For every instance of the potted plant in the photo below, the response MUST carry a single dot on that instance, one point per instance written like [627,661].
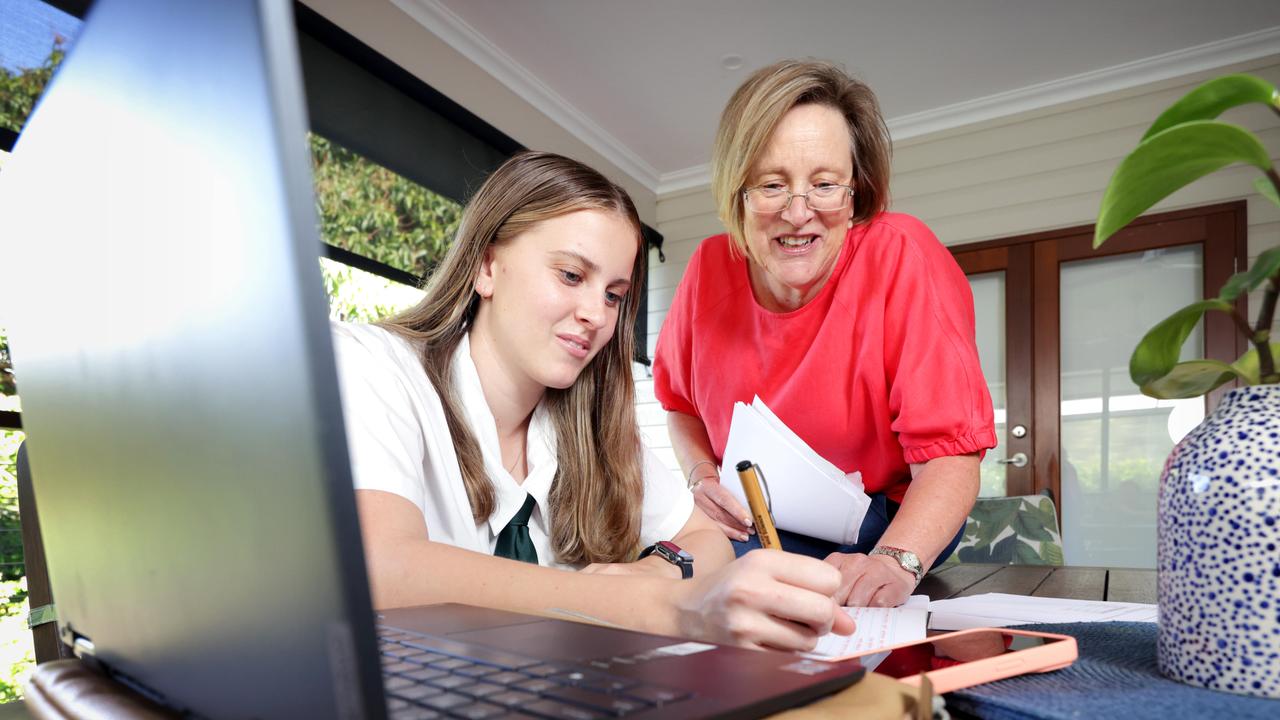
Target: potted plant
[1218,551]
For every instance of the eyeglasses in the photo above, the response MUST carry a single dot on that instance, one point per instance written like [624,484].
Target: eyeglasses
[774,197]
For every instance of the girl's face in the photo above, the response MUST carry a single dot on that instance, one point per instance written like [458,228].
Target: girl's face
[552,294]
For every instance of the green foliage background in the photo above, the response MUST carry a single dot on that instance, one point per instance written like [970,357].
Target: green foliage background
[371,211]
[20,90]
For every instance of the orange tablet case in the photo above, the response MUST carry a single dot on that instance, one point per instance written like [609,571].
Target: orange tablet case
[1043,658]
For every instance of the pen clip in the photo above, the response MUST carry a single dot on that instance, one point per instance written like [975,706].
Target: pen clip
[764,485]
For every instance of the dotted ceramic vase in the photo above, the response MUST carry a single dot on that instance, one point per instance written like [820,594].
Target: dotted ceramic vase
[1219,549]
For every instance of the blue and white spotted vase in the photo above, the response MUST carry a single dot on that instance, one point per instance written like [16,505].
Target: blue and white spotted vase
[1219,549]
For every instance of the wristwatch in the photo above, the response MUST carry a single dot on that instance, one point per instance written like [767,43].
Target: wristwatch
[672,553]
[907,559]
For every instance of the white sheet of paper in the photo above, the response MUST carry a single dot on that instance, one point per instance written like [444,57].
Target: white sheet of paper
[807,494]
[1003,610]
[876,628]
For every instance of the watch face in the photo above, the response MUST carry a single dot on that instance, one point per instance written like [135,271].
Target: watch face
[673,552]
[909,558]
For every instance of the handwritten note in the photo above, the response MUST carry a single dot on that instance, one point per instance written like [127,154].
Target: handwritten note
[877,628]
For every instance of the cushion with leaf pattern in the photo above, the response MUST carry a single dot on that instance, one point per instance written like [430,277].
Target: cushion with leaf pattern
[1018,530]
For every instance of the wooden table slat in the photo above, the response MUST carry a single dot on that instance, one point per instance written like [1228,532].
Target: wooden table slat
[1075,583]
[1137,586]
[951,581]
[1012,579]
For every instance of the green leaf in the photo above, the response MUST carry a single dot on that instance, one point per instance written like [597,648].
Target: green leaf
[1001,552]
[1051,554]
[1159,349]
[1248,366]
[1044,510]
[1028,526]
[1189,379]
[1267,264]
[1215,97]
[1268,189]
[1024,554]
[1169,160]
[993,516]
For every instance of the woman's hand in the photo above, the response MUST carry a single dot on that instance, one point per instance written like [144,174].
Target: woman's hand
[693,449]
[871,581]
[765,599]
[721,506]
[652,566]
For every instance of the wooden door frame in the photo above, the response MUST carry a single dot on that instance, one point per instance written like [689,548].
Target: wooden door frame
[1032,265]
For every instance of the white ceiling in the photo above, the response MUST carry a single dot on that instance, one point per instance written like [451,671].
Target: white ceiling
[642,81]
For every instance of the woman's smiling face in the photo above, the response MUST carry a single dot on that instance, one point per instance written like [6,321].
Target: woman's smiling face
[792,252]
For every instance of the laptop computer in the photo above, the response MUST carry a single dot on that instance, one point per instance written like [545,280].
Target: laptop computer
[169,333]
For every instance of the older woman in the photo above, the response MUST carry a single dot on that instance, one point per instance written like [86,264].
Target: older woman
[853,324]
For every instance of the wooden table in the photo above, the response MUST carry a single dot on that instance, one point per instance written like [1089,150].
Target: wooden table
[1076,583]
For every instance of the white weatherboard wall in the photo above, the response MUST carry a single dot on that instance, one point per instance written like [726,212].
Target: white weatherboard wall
[1038,170]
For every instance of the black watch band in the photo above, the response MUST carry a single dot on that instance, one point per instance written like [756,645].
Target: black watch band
[673,554]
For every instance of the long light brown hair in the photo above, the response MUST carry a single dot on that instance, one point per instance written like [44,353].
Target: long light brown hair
[757,107]
[598,490]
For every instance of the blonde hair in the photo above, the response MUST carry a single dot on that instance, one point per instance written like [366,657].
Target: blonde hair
[597,493]
[757,107]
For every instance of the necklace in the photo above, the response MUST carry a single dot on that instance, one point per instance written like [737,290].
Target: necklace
[520,456]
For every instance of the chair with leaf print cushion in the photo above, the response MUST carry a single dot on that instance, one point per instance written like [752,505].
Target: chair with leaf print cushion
[1018,530]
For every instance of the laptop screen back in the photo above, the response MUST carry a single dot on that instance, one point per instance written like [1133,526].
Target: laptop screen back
[170,341]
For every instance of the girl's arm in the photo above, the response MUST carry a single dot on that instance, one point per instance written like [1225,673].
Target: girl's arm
[700,537]
[767,599]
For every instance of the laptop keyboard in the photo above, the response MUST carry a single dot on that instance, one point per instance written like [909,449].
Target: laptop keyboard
[431,677]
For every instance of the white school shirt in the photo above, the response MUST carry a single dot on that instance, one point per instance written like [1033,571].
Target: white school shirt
[399,442]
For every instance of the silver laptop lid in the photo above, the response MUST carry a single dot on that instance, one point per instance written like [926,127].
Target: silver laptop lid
[169,336]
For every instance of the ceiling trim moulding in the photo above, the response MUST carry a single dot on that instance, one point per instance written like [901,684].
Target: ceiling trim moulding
[445,24]
[442,22]
[1221,53]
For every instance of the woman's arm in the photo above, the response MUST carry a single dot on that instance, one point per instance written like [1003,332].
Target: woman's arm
[767,599]
[692,446]
[938,500]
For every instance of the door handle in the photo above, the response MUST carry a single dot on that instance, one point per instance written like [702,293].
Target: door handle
[1018,460]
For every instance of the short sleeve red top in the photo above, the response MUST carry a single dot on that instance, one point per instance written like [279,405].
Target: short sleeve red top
[878,371]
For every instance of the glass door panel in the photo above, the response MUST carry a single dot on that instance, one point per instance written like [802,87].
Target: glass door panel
[989,313]
[1114,439]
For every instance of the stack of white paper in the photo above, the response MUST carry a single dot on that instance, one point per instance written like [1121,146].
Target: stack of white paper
[806,493]
[1001,610]
[876,628]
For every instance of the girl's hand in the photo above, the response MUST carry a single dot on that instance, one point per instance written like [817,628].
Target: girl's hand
[764,599]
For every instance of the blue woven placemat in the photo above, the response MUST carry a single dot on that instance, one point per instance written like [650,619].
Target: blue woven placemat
[1114,677]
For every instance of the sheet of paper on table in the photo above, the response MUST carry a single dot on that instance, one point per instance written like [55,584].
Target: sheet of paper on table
[806,493]
[1002,610]
[876,628]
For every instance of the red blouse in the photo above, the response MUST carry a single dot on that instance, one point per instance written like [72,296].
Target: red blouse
[878,371]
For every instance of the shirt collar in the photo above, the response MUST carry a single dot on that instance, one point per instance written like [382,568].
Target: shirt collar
[540,448]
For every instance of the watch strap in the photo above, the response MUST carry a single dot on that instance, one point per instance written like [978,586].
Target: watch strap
[673,554]
[906,559]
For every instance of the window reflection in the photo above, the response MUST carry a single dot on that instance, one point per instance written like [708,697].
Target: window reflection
[1114,439]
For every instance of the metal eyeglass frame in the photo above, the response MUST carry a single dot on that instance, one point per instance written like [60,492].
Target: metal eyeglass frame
[791,196]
